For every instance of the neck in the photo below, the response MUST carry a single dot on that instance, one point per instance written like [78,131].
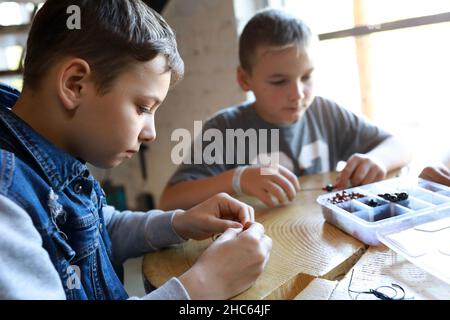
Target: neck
[41,113]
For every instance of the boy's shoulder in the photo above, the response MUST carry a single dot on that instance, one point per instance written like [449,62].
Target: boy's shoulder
[329,111]
[8,95]
[323,104]
[231,116]
[16,177]
[234,111]
[7,165]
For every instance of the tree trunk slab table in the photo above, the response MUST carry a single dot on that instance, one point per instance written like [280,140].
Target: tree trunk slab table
[310,259]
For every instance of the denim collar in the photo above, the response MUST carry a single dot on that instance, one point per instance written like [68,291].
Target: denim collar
[59,168]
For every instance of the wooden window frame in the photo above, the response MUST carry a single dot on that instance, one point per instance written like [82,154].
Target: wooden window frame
[360,31]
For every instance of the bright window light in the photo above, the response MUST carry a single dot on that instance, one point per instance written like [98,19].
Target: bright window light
[408,67]
[10,14]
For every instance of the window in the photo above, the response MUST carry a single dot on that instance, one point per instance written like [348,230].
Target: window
[14,13]
[388,60]
[15,20]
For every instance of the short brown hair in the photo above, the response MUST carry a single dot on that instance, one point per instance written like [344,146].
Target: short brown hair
[270,27]
[114,35]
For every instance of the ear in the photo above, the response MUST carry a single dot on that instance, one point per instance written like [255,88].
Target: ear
[72,80]
[243,79]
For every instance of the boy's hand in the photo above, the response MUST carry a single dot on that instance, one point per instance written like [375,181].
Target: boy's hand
[360,169]
[212,216]
[281,184]
[438,173]
[230,265]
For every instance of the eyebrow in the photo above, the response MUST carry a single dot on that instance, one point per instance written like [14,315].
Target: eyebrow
[281,75]
[154,98]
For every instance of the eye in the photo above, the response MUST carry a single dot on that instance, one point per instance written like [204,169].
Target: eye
[145,109]
[278,82]
[306,78]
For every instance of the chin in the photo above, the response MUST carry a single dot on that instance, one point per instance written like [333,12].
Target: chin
[294,117]
[106,164]
[113,164]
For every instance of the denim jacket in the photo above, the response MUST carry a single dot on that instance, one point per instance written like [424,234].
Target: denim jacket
[65,204]
[54,223]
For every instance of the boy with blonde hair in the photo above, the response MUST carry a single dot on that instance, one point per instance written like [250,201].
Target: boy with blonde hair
[277,65]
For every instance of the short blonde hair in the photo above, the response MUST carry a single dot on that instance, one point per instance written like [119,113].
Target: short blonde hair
[271,28]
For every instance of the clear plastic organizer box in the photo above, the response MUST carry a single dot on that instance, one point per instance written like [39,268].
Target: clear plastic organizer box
[426,242]
[370,214]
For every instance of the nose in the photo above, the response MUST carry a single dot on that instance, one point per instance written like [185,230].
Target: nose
[148,132]
[297,91]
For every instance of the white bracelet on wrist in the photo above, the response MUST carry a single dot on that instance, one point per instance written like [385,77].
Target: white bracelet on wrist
[236,183]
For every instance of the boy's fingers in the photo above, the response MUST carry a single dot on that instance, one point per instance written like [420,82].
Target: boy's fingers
[444,170]
[426,176]
[361,170]
[266,260]
[256,229]
[378,176]
[371,176]
[445,180]
[344,176]
[252,214]
[220,225]
[291,177]
[266,242]
[436,176]
[232,208]
[265,198]
[229,234]
[286,185]
[245,214]
[275,190]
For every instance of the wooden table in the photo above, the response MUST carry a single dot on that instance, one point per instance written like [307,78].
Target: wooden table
[310,258]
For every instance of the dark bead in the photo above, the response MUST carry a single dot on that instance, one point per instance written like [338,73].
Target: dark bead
[393,198]
[372,203]
[403,196]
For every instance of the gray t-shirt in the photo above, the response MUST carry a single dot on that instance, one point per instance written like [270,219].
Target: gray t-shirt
[323,136]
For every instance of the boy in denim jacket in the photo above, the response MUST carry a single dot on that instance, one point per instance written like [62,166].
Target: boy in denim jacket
[90,95]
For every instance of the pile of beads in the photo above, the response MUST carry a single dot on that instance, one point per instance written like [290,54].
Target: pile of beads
[396,197]
[344,196]
[372,203]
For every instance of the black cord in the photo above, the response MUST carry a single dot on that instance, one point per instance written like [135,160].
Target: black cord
[377,293]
